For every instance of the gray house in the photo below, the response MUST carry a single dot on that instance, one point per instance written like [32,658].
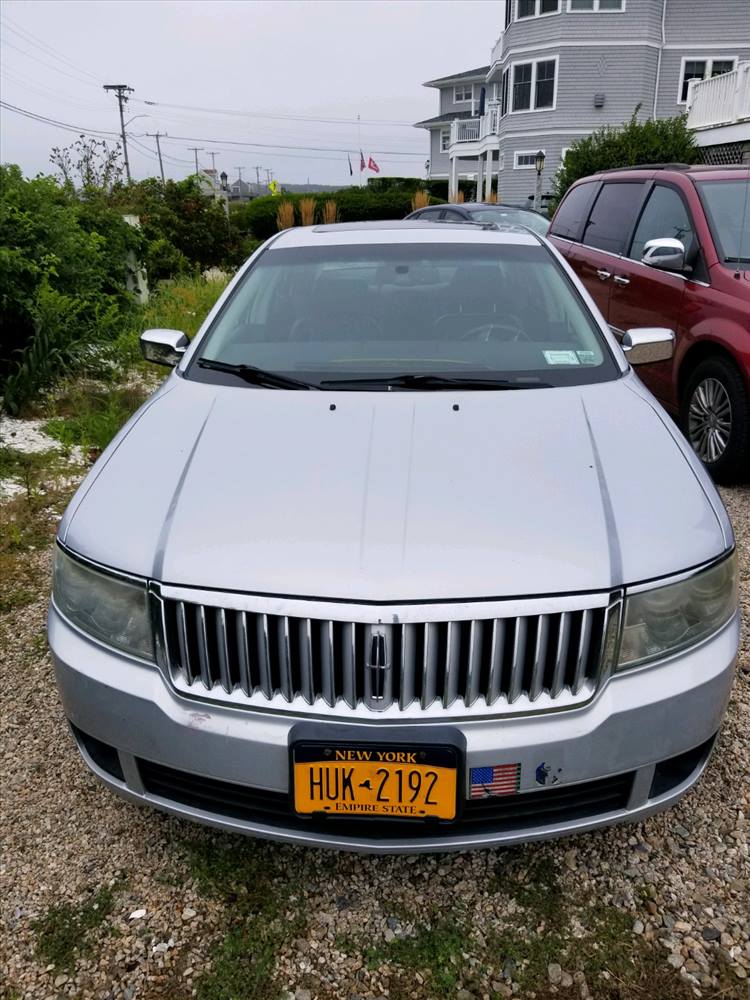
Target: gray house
[563,68]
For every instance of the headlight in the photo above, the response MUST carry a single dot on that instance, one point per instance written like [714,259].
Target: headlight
[664,620]
[109,608]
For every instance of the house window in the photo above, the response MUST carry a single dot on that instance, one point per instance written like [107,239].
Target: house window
[504,93]
[525,159]
[702,69]
[462,93]
[536,8]
[534,85]
[445,139]
[587,6]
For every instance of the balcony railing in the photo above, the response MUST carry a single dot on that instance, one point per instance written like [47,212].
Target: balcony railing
[721,100]
[473,129]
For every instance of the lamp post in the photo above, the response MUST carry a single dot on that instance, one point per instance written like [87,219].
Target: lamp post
[539,165]
[223,177]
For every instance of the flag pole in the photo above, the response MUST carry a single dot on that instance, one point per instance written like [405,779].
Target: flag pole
[359,145]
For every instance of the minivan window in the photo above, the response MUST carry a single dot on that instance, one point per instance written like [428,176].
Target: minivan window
[665,215]
[612,216]
[452,309]
[574,209]
[727,205]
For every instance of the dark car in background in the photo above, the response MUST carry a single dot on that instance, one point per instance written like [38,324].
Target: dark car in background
[487,212]
[670,246]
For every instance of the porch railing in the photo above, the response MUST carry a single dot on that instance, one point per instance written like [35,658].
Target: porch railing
[721,100]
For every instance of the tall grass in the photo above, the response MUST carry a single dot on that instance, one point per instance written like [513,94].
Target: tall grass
[421,199]
[307,211]
[492,198]
[285,215]
[330,212]
[458,198]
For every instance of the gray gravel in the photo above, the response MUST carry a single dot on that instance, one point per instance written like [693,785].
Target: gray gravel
[678,884]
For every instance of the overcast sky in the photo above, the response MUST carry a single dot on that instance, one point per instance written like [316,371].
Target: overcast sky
[314,60]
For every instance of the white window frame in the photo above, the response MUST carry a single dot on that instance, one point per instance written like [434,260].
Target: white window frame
[709,61]
[563,153]
[537,10]
[596,9]
[501,160]
[443,132]
[534,63]
[463,87]
[525,152]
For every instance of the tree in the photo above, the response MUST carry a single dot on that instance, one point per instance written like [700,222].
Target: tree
[667,140]
[91,165]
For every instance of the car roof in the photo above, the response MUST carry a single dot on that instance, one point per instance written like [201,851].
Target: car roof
[400,231]
[693,172]
[471,205]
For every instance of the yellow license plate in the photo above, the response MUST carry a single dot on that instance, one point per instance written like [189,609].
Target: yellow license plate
[401,782]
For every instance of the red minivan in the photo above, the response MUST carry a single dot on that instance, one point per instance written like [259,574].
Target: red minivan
[670,246]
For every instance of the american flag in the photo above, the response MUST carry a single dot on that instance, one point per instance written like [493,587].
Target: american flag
[502,779]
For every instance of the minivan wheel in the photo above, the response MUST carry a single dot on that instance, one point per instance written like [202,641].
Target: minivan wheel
[715,418]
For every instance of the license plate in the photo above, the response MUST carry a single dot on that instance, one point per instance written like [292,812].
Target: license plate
[401,782]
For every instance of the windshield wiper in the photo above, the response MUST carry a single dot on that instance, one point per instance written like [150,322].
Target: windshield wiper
[256,376]
[420,381]
[737,260]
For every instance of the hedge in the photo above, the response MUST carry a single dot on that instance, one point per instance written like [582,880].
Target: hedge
[257,218]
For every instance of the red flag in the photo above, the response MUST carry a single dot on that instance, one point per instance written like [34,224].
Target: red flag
[372,165]
[362,164]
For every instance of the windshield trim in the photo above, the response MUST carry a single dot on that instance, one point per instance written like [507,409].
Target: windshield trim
[603,334]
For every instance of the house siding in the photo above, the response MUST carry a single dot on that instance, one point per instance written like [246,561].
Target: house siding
[617,54]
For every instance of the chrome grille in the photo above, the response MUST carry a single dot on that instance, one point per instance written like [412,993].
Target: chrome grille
[511,661]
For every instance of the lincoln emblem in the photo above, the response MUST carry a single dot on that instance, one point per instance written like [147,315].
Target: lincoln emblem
[378,666]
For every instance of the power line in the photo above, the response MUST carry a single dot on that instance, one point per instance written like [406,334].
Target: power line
[279,116]
[272,145]
[31,39]
[56,69]
[53,121]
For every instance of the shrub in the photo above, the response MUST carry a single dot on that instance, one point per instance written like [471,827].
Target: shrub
[330,212]
[285,215]
[307,211]
[667,140]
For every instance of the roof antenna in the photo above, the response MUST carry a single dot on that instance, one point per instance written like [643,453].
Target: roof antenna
[743,230]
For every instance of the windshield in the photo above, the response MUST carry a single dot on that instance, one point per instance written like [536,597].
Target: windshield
[727,205]
[341,312]
[512,217]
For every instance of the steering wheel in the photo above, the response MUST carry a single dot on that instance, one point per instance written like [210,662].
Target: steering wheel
[507,328]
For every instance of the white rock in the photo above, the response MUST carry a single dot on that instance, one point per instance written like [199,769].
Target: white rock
[137,914]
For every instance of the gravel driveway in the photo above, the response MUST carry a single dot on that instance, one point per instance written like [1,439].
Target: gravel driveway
[104,899]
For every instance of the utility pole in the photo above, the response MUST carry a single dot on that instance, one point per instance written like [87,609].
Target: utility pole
[239,172]
[157,136]
[258,169]
[196,150]
[269,176]
[213,160]
[122,90]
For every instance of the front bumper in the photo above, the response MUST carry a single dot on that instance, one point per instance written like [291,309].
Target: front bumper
[647,734]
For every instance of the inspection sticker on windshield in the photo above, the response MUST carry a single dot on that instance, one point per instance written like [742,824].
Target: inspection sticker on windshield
[561,357]
[586,357]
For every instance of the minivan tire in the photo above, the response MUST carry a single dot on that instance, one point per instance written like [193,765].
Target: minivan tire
[717,375]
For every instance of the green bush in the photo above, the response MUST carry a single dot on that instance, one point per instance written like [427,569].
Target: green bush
[667,140]
[63,274]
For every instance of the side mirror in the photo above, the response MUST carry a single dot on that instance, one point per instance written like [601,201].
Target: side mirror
[164,347]
[645,344]
[665,254]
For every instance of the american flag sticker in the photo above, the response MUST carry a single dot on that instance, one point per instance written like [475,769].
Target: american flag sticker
[502,779]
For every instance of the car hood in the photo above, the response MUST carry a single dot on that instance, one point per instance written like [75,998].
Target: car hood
[395,496]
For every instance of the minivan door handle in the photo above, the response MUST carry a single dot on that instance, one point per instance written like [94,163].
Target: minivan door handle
[619,280]
[603,275]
